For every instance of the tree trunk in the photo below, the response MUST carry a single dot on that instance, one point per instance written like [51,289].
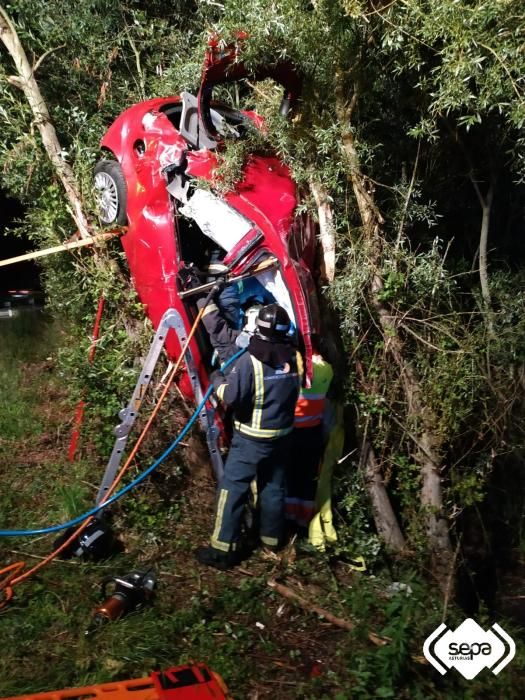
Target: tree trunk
[428,444]
[384,517]
[25,80]
[326,229]
[486,207]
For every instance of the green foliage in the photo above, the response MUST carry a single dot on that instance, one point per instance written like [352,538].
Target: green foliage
[17,337]
[464,69]
[355,535]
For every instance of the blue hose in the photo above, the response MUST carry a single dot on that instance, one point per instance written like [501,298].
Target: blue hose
[135,482]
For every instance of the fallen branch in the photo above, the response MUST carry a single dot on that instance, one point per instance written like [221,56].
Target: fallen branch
[290,594]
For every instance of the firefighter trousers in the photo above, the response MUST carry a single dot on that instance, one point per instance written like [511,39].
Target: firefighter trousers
[303,473]
[248,459]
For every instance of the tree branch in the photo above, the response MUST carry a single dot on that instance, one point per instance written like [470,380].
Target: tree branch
[290,594]
[136,53]
[407,198]
[45,55]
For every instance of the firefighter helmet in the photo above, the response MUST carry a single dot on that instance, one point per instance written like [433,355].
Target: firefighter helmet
[273,323]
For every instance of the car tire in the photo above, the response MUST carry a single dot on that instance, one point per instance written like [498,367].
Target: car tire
[111,193]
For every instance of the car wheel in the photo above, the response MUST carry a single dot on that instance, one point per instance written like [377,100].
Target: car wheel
[111,192]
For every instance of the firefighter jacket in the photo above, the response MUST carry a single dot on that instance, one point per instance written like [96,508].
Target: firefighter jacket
[222,336]
[262,397]
[311,403]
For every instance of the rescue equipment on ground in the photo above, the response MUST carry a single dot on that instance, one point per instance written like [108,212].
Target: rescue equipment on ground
[194,681]
[131,485]
[95,542]
[122,595]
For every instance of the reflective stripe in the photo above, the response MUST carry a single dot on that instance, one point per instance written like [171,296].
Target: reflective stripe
[253,429]
[300,363]
[209,308]
[215,542]
[255,492]
[222,546]
[299,511]
[258,373]
[268,324]
[305,407]
[220,391]
[272,541]
[217,268]
[261,432]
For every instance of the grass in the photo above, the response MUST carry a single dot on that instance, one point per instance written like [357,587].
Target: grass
[263,645]
[16,421]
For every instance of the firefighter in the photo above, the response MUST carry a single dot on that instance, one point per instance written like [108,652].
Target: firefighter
[221,319]
[308,443]
[261,388]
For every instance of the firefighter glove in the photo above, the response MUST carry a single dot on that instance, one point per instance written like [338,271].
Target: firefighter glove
[217,288]
[217,378]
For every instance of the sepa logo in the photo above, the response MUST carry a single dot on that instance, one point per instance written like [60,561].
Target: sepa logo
[469,649]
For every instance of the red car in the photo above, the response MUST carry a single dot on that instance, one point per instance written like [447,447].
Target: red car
[158,154]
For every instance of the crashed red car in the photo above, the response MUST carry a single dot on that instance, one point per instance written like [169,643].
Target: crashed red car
[158,153]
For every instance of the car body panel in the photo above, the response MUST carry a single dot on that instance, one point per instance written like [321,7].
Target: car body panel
[150,241]
[224,64]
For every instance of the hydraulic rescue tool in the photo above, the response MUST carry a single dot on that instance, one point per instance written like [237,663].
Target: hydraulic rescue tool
[123,594]
[95,542]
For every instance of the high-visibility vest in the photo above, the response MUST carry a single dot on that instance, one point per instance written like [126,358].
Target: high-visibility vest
[310,404]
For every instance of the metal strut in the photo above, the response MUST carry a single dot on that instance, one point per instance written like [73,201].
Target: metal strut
[171,320]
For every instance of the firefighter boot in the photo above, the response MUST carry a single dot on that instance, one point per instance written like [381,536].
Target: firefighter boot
[209,556]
